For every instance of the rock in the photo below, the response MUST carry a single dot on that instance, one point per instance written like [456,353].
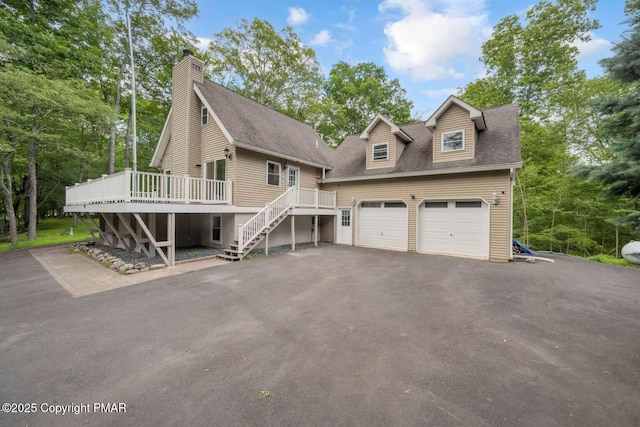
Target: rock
[132,271]
[128,266]
[140,265]
[122,270]
[531,260]
[157,266]
[144,269]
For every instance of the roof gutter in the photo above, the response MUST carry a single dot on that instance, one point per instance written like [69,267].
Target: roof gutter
[251,147]
[506,166]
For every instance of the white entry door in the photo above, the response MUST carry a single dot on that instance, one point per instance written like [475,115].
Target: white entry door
[454,227]
[343,233]
[293,177]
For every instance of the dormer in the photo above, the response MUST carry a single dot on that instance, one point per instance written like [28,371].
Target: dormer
[385,142]
[455,126]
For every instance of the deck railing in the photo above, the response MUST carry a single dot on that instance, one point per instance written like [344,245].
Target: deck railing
[294,197]
[146,187]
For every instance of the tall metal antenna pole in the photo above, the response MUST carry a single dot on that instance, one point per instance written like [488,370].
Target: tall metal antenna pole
[133,97]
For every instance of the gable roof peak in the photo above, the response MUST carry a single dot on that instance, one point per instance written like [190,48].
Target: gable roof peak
[474,114]
[394,128]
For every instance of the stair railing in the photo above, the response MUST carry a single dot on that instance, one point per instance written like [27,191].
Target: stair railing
[265,217]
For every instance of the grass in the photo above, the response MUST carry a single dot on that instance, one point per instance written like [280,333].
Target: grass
[51,231]
[610,259]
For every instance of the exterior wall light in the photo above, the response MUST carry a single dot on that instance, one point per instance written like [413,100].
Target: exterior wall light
[286,165]
[494,198]
[227,154]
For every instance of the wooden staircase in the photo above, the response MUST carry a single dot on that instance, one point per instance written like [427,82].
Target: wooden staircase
[232,253]
[257,228]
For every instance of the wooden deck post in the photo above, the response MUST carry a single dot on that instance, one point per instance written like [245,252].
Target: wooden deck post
[315,232]
[293,233]
[152,229]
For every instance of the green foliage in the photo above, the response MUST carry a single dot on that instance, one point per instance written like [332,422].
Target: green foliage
[271,67]
[621,122]
[52,231]
[355,94]
[532,61]
[608,259]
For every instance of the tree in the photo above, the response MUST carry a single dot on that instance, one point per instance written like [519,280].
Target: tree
[533,62]
[42,45]
[158,34]
[621,121]
[355,94]
[271,67]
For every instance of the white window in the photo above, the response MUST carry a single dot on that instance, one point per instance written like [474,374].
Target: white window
[345,217]
[380,151]
[273,173]
[216,170]
[204,116]
[453,141]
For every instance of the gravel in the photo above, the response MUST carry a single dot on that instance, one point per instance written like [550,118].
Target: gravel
[194,252]
[182,254]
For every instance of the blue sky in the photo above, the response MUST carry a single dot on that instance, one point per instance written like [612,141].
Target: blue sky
[412,39]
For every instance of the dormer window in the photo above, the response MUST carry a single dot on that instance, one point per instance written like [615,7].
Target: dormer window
[453,141]
[204,116]
[380,151]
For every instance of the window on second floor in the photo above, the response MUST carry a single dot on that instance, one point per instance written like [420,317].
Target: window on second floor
[453,141]
[380,151]
[273,173]
[204,116]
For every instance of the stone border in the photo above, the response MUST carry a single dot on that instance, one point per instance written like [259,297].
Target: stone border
[112,261]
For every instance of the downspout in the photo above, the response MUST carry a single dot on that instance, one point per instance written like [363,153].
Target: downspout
[512,176]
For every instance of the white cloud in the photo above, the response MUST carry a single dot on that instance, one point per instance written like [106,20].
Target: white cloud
[440,93]
[597,46]
[297,16]
[435,39]
[203,43]
[323,38]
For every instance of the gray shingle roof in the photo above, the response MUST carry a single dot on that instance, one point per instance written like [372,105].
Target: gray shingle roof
[259,126]
[499,144]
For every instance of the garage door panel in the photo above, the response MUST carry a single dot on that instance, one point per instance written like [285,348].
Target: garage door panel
[454,227]
[383,227]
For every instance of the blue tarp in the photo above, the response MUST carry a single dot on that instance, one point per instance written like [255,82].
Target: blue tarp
[519,248]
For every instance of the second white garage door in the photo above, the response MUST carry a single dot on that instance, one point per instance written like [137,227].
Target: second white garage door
[383,225]
[454,227]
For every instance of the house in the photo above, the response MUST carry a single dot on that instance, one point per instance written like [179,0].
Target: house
[238,175]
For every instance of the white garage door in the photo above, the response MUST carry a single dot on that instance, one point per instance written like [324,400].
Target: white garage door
[383,225]
[454,227]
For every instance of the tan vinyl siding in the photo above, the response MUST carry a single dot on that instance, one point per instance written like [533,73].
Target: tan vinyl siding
[185,137]
[250,186]
[195,154]
[213,143]
[165,163]
[459,186]
[381,133]
[454,119]
[327,230]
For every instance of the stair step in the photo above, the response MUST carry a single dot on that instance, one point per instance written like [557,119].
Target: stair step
[232,251]
[228,257]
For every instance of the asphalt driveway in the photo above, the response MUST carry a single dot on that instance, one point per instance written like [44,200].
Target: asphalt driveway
[329,336]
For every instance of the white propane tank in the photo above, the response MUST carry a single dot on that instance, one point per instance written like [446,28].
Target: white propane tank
[631,252]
